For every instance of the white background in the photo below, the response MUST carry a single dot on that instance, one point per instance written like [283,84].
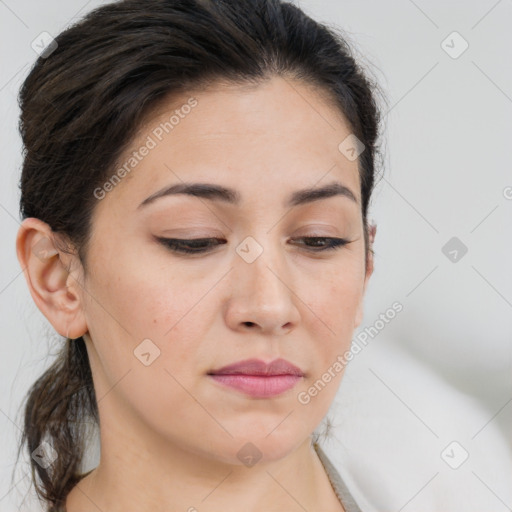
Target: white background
[441,370]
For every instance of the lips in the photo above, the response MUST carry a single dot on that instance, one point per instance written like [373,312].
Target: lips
[258,367]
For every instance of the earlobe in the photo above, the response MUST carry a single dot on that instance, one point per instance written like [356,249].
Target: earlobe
[51,282]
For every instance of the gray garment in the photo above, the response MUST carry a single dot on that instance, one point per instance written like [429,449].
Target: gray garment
[337,483]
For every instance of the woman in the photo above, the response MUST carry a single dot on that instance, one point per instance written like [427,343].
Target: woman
[195,193]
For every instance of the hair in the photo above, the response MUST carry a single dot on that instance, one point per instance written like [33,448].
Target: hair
[82,104]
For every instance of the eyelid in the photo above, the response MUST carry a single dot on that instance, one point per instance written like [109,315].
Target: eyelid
[178,245]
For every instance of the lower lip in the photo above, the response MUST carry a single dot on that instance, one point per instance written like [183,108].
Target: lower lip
[259,386]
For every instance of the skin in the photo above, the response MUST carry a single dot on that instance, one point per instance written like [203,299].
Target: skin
[169,434]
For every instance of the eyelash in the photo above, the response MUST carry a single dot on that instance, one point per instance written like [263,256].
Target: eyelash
[179,245]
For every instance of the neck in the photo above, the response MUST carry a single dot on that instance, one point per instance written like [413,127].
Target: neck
[133,475]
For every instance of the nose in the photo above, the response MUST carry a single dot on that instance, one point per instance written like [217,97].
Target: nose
[261,295]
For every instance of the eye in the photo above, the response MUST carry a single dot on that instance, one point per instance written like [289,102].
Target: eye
[204,245]
[330,243]
[194,246]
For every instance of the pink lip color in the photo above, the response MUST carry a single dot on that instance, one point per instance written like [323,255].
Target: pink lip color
[259,386]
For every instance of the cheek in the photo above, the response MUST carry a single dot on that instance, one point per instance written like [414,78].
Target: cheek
[142,297]
[128,303]
[147,341]
[333,311]
[334,297]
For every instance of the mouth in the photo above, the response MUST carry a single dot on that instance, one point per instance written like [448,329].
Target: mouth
[258,379]
[258,386]
[258,367]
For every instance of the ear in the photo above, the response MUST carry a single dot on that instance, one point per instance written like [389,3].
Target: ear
[369,272]
[52,284]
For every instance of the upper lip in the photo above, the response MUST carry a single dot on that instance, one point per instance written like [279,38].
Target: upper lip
[259,367]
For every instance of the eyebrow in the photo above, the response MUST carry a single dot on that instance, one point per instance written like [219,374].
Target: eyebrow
[219,193]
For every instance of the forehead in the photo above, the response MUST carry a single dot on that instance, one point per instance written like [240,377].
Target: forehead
[272,138]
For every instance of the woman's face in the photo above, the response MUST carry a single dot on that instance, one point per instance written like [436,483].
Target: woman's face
[159,321]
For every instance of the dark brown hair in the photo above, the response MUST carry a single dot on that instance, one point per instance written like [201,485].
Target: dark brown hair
[82,104]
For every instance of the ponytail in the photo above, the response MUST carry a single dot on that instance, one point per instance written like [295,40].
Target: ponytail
[57,407]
